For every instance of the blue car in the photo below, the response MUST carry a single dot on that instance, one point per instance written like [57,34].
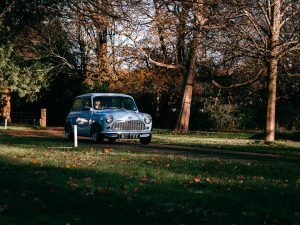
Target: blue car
[108,115]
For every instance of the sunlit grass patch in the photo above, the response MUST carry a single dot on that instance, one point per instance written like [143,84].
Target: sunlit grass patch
[230,142]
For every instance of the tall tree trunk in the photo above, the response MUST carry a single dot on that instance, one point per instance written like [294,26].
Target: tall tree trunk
[184,116]
[273,71]
[271,104]
[182,125]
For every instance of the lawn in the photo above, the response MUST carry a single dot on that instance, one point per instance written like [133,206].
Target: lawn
[43,181]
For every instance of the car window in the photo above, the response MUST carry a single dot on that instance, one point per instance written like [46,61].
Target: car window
[116,102]
[128,104]
[76,104]
[87,104]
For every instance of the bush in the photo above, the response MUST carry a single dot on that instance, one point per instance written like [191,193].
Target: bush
[230,117]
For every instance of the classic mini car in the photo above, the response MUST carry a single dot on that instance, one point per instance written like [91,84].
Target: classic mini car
[108,115]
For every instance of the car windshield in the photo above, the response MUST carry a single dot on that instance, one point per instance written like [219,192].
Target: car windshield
[113,102]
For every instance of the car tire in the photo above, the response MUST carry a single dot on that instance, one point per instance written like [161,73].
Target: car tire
[96,134]
[69,132]
[146,140]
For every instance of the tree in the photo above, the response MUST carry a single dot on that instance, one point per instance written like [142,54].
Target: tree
[93,36]
[267,30]
[200,20]
[26,65]
[174,42]
[24,80]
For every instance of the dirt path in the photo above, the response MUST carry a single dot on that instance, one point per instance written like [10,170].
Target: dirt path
[51,132]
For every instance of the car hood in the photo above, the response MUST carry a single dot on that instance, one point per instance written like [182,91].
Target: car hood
[123,114]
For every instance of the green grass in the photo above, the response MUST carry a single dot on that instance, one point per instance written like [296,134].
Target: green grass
[41,182]
[234,141]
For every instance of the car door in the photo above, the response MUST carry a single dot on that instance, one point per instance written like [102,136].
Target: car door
[84,119]
[75,111]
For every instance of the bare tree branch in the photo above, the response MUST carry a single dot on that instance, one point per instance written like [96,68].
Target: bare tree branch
[295,75]
[168,66]
[216,84]
[256,27]
[265,13]
[7,9]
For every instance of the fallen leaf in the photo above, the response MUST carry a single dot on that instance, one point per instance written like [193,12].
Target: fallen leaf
[91,163]
[70,166]
[107,150]
[240,178]
[197,180]
[208,180]
[34,161]
[154,158]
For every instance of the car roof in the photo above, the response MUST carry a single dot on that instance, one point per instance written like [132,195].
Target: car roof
[104,94]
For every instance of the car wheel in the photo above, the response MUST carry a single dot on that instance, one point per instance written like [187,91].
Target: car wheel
[96,134]
[69,132]
[145,140]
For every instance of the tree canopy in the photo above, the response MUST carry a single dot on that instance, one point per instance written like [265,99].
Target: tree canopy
[202,64]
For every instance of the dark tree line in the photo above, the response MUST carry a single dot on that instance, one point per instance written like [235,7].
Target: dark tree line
[201,64]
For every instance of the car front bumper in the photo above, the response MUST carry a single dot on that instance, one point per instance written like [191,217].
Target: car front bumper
[126,134]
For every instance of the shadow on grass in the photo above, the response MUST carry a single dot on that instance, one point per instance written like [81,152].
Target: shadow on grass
[35,194]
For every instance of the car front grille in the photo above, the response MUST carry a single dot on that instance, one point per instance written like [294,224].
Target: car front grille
[128,125]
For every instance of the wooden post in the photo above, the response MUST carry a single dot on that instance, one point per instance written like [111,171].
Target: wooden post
[43,117]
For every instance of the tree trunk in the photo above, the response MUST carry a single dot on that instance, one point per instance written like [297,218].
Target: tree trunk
[271,104]
[184,116]
[6,111]
[273,71]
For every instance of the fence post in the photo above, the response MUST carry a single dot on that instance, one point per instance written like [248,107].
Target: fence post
[43,117]
[75,137]
[5,124]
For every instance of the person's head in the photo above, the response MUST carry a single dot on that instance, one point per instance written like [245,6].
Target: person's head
[97,104]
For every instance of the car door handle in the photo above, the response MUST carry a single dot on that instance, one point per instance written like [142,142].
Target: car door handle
[79,121]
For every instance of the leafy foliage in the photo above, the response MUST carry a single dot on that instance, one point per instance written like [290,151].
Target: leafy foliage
[26,80]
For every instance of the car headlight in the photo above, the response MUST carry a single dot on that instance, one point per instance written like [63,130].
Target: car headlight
[109,118]
[148,119]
